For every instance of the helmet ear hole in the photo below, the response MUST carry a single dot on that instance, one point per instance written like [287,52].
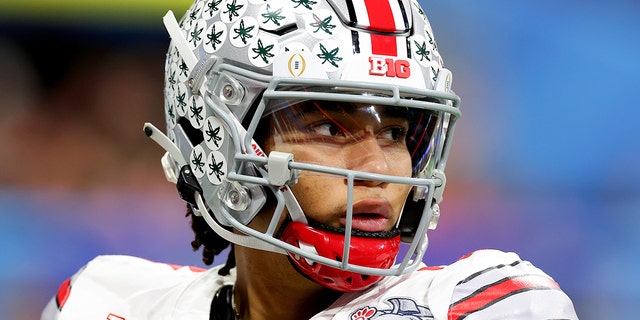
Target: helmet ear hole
[195,135]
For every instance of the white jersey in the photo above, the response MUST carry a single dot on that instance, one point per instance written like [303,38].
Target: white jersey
[486,284]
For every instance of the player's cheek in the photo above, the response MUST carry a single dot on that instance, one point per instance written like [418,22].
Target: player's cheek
[312,189]
[399,161]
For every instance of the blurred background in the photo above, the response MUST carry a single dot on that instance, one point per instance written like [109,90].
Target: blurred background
[545,161]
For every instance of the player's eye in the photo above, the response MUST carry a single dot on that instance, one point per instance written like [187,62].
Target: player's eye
[393,134]
[326,129]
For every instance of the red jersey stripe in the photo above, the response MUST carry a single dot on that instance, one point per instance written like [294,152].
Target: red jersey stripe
[431,268]
[63,293]
[488,295]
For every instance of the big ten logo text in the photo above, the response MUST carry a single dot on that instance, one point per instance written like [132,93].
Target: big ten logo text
[389,67]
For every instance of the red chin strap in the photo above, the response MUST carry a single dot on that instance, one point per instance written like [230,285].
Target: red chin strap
[364,251]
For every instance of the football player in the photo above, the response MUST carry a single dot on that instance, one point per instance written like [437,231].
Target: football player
[311,138]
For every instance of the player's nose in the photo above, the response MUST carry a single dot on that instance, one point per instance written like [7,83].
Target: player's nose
[368,156]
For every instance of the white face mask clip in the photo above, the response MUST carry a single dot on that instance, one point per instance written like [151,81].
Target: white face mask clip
[279,172]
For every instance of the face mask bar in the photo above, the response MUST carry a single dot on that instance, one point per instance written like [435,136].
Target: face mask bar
[415,251]
[251,152]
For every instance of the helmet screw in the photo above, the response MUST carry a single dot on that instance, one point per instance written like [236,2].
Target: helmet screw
[227,91]
[234,197]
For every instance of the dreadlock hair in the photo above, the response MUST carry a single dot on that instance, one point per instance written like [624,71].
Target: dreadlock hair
[212,243]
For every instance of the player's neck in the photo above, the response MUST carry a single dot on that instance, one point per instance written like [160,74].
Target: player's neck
[267,287]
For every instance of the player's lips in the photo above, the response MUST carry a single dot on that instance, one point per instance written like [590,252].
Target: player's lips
[370,215]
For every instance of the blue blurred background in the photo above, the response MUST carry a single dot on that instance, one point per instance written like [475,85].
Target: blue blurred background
[545,159]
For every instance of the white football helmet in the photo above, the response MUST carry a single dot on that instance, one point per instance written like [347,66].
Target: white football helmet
[236,67]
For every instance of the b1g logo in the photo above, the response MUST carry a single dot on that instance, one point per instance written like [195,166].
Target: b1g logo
[389,67]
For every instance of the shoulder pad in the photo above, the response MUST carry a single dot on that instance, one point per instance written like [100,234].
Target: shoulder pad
[490,284]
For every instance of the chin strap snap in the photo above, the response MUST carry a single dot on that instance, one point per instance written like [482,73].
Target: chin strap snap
[188,185]
[437,198]
[437,174]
